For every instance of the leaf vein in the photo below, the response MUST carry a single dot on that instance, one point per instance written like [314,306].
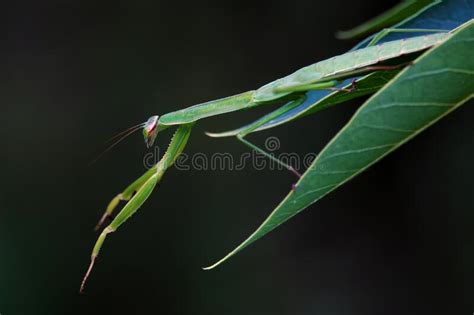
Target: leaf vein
[407,104]
[438,71]
[386,128]
[314,190]
[379,147]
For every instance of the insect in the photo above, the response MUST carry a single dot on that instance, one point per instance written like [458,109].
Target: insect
[291,90]
[323,75]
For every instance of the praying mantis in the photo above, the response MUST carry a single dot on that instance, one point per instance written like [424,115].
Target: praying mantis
[326,74]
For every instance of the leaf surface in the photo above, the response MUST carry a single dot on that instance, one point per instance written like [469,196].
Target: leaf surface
[392,16]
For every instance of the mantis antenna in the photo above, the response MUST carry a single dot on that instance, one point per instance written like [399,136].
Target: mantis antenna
[149,133]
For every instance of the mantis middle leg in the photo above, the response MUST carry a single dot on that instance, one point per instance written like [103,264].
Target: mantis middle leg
[285,108]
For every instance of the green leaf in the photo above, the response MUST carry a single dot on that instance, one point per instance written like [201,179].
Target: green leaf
[396,14]
[437,83]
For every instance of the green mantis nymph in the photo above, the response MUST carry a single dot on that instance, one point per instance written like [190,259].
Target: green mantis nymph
[290,91]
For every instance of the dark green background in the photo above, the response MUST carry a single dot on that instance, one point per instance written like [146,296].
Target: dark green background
[396,240]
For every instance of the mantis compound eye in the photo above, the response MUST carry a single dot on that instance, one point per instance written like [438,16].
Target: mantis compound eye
[150,130]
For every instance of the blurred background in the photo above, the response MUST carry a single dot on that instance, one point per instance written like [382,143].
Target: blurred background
[398,239]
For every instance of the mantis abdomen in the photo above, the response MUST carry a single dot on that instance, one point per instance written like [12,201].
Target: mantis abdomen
[340,66]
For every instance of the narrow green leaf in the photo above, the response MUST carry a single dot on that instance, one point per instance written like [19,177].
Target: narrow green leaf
[437,83]
[396,14]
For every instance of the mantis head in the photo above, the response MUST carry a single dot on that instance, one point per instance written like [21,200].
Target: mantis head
[150,130]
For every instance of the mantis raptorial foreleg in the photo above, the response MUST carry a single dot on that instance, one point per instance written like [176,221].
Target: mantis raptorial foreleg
[125,196]
[142,188]
[130,208]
